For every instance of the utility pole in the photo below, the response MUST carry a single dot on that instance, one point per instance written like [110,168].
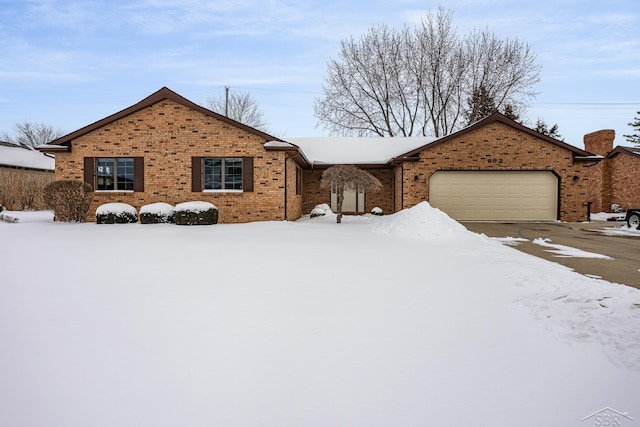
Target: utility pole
[226,101]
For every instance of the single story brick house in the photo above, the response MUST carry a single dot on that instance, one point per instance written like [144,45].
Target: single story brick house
[168,149]
[616,179]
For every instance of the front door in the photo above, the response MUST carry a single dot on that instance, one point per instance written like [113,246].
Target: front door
[353,201]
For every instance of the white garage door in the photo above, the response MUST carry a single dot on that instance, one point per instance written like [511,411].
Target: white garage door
[495,195]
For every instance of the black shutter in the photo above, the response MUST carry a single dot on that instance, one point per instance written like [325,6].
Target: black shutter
[138,174]
[90,171]
[196,174]
[247,174]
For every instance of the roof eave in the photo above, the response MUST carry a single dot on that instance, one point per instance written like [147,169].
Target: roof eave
[54,148]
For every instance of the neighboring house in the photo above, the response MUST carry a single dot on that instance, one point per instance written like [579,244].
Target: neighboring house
[616,179]
[23,174]
[166,148]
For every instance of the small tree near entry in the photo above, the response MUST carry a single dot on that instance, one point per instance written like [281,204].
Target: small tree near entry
[348,177]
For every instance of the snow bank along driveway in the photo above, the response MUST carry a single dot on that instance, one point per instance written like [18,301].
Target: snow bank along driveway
[402,320]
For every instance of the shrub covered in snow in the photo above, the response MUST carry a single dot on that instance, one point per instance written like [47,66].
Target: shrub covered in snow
[156,213]
[377,211]
[320,210]
[195,213]
[116,213]
[69,200]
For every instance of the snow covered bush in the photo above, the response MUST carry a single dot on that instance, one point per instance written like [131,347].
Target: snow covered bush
[195,213]
[320,210]
[156,213]
[116,213]
[377,211]
[69,200]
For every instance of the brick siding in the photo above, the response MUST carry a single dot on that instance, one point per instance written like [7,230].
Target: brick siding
[384,199]
[625,180]
[497,146]
[168,134]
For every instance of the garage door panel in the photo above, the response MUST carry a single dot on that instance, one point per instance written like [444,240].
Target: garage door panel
[495,195]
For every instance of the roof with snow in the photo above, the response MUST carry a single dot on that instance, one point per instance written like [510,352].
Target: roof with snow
[356,150]
[383,151]
[14,156]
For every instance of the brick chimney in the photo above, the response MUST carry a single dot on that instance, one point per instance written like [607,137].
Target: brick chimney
[599,142]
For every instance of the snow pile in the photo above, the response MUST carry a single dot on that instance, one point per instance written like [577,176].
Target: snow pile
[606,216]
[118,209]
[195,207]
[420,221]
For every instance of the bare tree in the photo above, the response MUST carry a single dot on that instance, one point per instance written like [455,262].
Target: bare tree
[239,106]
[348,177]
[420,81]
[29,135]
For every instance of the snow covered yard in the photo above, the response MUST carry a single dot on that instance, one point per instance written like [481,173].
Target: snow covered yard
[401,320]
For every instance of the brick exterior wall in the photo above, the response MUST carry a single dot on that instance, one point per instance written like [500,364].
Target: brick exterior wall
[625,180]
[168,134]
[614,179]
[398,197]
[599,174]
[294,180]
[384,199]
[497,146]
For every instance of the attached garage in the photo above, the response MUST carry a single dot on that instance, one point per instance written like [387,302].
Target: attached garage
[495,195]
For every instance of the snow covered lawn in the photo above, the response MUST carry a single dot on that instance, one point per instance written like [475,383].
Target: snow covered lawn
[400,320]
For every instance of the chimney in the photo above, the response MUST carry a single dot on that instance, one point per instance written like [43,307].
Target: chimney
[599,142]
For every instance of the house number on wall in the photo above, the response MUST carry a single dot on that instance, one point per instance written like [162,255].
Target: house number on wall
[494,160]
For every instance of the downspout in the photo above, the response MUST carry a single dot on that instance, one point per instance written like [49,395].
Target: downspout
[286,156]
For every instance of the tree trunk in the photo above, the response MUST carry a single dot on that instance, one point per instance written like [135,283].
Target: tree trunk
[340,200]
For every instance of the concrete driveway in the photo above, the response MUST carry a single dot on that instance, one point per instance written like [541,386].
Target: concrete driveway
[625,250]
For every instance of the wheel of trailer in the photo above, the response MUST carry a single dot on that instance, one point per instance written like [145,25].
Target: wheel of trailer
[634,221]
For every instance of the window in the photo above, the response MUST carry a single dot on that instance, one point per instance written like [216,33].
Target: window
[223,173]
[115,174]
[233,174]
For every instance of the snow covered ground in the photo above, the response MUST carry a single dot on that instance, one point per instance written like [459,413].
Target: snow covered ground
[400,320]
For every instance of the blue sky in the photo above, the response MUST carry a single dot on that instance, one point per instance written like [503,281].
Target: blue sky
[70,63]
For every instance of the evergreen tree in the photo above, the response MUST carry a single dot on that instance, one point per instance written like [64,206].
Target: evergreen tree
[541,127]
[481,104]
[634,138]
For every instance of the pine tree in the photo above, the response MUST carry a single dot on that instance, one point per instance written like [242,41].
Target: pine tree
[541,127]
[481,104]
[635,137]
